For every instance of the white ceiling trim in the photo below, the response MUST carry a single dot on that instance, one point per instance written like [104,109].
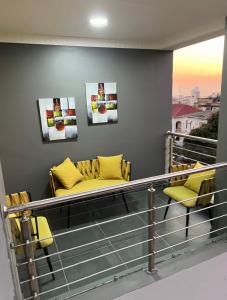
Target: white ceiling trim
[70,41]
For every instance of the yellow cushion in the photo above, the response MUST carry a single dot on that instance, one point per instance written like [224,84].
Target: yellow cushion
[110,167]
[67,173]
[87,185]
[194,181]
[179,193]
[44,230]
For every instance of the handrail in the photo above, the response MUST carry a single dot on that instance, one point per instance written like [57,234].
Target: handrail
[107,190]
[192,137]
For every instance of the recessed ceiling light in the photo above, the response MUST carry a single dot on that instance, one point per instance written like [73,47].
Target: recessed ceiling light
[98,22]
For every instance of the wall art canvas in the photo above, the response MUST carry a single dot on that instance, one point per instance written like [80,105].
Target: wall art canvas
[58,118]
[102,102]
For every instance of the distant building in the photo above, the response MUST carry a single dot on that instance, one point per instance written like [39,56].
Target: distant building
[195,92]
[186,117]
[188,100]
[208,104]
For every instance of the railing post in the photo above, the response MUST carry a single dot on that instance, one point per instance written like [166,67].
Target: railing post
[168,152]
[26,228]
[151,229]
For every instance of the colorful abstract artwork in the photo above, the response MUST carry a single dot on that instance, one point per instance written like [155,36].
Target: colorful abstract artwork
[58,118]
[102,103]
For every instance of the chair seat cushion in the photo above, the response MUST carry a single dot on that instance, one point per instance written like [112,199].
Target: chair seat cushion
[87,185]
[180,193]
[44,231]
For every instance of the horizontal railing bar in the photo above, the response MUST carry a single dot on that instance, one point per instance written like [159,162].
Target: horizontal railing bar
[87,244]
[124,248]
[192,137]
[83,228]
[189,240]
[176,161]
[125,263]
[88,260]
[133,230]
[198,145]
[192,159]
[126,216]
[185,178]
[192,151]
[193,225]
[120,187]
[92,275]
[181,216]
[193,198]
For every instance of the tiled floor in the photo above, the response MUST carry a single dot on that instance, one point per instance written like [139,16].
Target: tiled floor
[106,266]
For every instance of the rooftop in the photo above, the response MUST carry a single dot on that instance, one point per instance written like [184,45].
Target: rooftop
[179,110]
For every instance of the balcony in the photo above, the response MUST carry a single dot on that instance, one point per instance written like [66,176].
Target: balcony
[107,245]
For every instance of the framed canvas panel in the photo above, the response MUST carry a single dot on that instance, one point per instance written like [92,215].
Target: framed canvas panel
[58,118]
[102,103]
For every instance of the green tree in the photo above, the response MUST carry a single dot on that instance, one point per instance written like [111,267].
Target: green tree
[209,130]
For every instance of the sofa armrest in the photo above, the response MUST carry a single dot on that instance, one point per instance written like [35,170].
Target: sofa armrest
[126,170]
[54,183]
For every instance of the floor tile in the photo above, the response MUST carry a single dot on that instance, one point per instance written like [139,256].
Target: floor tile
[91,267]
[75,239]
[121,226]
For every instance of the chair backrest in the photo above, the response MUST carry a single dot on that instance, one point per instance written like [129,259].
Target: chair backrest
[207,185]
[18,199]
[12,200]
[90,170]
[179,180]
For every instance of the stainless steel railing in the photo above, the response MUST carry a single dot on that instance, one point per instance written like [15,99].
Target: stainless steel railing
[104,191]
[188,149]
[31,260]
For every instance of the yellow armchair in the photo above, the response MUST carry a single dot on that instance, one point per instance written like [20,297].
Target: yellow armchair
[40,227]
[183,188]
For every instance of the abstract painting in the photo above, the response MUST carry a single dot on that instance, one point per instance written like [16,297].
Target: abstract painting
[102,103]
[58,118]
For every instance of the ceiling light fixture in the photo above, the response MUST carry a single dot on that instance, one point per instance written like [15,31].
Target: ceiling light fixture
[98,22]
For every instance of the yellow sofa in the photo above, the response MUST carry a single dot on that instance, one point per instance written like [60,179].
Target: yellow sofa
[90,170]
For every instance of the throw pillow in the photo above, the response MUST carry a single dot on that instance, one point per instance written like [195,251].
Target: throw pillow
[194,181]
[110,167]
[67,173]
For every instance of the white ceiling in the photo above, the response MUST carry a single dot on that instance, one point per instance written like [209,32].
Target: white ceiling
[157,24]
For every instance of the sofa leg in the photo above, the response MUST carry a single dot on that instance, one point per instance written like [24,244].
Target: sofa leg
[114,198]
[187,220]
[68,216]
[125,202]
[167,207]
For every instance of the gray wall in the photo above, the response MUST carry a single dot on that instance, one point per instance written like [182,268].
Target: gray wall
[6,276]
[222,144]
[29,72]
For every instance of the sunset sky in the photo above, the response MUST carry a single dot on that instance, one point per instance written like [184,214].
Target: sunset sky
[198,65]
